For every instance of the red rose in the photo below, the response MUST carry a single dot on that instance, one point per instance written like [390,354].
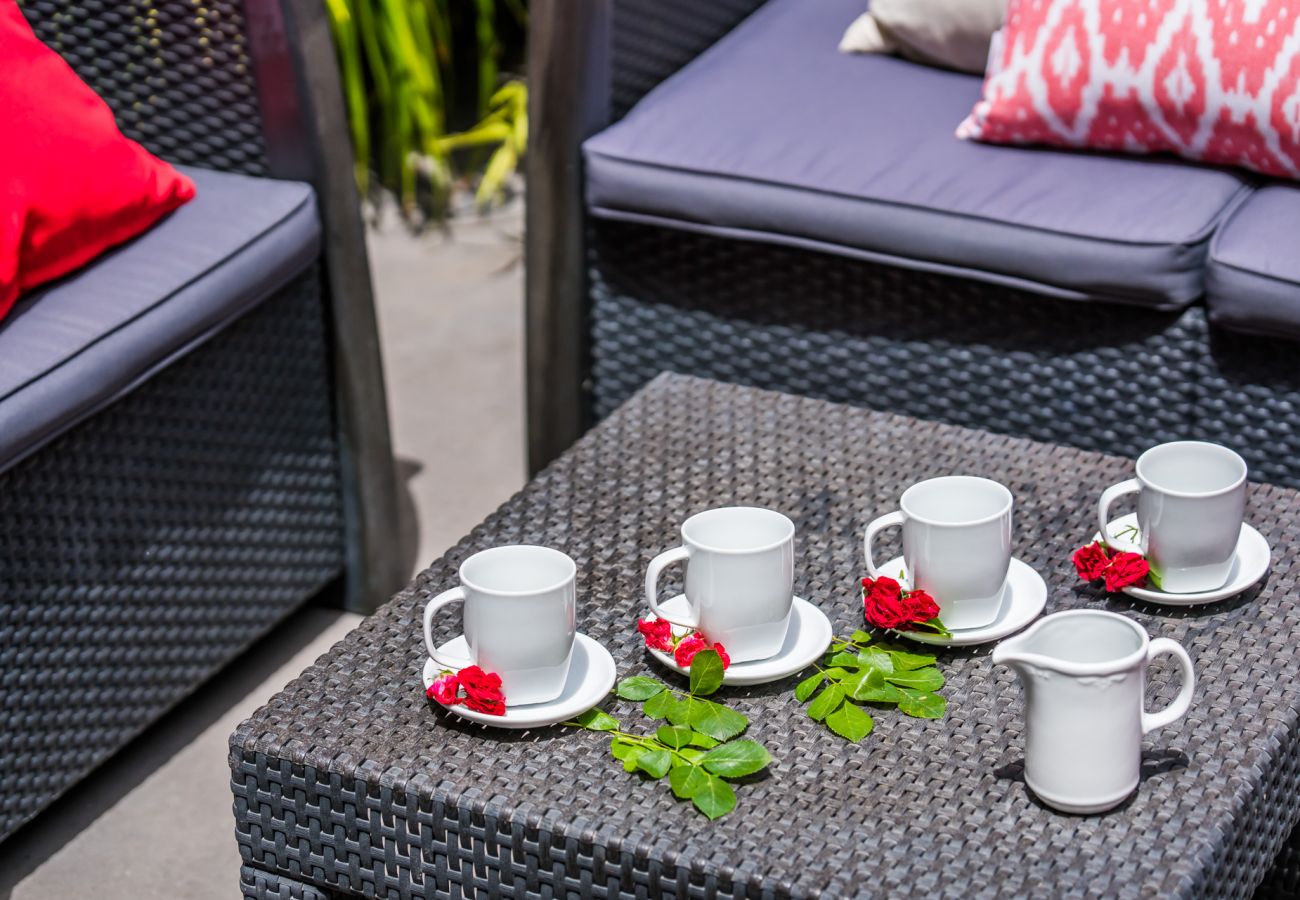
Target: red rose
[445,690]
[483,691]
[1126,569]
[692,645]
[1090,561]
[921,606]
[883,604]
[658,633]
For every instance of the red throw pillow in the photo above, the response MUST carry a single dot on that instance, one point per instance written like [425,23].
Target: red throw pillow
[71,185]
[1211,80]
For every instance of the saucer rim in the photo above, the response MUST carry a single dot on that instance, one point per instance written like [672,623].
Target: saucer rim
[1203,598]
[740,674]
[534,715]
[971,637]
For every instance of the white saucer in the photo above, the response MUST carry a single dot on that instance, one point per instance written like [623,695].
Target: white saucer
[591,677]
[1251,564]
[1026,597]
[805,641]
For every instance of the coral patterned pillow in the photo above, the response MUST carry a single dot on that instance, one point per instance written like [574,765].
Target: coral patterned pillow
[1211,80]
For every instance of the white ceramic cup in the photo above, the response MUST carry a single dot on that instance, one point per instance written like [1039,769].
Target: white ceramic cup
[739,579]
[1084,674]
[520,612]
[1191,500]
[956,545]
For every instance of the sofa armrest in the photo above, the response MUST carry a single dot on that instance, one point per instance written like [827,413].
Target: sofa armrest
[590,61]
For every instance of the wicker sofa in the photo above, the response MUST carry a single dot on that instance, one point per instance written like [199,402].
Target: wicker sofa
[723,194]
[705,192]
[193,433]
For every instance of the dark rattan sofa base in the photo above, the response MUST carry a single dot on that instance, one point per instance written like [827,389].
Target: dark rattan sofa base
[1094,376]
[151,544]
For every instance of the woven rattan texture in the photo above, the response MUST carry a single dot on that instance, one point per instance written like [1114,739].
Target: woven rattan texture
[1249,398]
[152,543]
[350,779]
[176,73]
[940,348]
[652,39]
[258,885]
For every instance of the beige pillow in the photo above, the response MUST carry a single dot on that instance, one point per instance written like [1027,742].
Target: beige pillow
[950,33]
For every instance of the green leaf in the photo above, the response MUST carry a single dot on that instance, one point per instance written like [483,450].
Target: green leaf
[838,673]
[718,721]
[714,797]
[860,637]
[930,679]
[629,761]
[886,693]
[621,748]
[863,683]
[906,662]
[660,705]
[639,687]
[876,659]
[675,736]
[596,720]
[683,711]
[843,658]
[702,740]
[922,705]
[694,754]
[826,702]
[804,689]
[736,759]
[655,762]
[686,781]
[850,722]
[706,673]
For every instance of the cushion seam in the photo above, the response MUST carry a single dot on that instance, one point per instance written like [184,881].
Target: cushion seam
[1203,234]
[955,270]
[274,226]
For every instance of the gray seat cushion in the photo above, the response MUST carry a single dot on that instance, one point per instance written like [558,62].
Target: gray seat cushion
[1253,275]
[69,349]
[773,135]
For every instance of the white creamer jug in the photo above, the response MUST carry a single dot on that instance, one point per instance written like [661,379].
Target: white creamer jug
[1084,679]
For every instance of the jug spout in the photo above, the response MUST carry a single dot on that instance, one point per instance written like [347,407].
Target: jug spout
[1011,652]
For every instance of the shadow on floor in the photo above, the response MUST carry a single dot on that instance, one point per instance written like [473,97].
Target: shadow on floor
[85,802]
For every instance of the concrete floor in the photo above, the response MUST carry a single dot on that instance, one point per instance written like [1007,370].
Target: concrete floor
[451,322]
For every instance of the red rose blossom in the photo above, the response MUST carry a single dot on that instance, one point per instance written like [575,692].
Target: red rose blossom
[692,645]
[482,691]
[921,606]
[445,690]
[1090,561]
[883,604]
[1126,569]
[658,633]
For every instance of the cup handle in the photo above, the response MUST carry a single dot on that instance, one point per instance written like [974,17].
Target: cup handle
[877,526]
[657,565]
[1109,496]
[1176,709]
[455,595]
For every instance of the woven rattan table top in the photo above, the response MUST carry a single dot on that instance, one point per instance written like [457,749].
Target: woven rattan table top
[920,807]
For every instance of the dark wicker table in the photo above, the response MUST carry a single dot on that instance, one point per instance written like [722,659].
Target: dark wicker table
[350,782]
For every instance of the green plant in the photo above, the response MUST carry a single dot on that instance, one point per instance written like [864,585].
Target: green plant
[399,61]
[881,676]
[699,749]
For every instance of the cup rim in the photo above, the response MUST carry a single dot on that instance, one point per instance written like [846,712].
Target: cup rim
[1218,448]
[1008,501]
[789,531]
[506,549]
[1070,667]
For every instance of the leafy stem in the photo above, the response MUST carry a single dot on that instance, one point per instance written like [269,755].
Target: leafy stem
[699,748]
